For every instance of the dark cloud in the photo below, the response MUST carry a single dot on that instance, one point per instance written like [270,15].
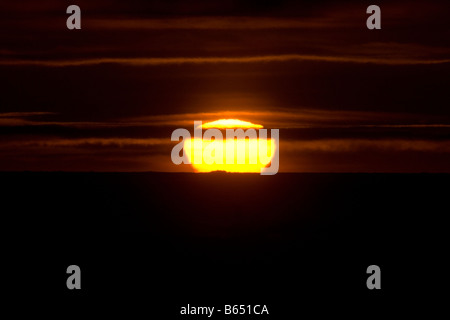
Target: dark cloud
[108,96]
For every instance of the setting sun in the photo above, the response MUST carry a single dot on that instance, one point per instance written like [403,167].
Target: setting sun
[230,124]
[243,151]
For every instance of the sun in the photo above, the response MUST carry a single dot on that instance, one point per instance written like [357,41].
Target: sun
[230,124]
[240,150]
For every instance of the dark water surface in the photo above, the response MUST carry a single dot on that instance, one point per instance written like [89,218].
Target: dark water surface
[154,242]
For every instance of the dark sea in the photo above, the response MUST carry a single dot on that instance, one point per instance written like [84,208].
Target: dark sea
[149,244]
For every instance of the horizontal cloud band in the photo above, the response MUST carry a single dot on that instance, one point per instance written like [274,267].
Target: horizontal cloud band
[154,61]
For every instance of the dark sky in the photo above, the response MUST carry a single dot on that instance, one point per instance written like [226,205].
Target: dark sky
[107,97]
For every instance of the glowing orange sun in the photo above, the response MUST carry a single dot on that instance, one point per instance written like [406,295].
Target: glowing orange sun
[243,148]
